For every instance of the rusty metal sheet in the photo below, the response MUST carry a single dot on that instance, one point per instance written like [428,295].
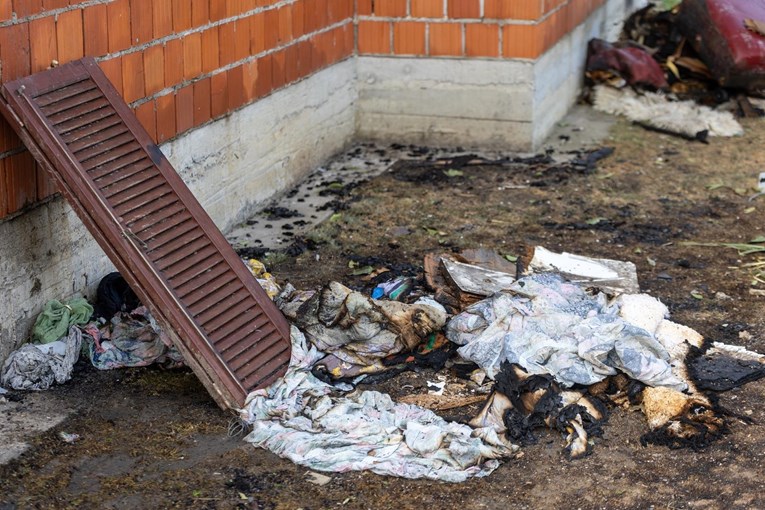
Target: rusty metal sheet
[150,225]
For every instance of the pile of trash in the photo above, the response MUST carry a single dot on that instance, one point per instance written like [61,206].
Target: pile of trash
[686,68]
[546,341]
[118,332]
[554,341]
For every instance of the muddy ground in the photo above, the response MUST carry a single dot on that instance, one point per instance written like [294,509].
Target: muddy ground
[154,439]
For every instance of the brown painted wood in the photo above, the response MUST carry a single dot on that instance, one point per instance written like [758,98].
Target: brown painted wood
[147,221]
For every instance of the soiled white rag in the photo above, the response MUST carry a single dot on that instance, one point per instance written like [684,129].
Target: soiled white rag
[306,421]
[38,366]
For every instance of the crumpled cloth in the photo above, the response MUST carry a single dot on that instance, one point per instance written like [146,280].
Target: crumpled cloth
[304,420]
[550,326]
[37,367]
[130,340]
[56,317]
[264,278]
[357,332]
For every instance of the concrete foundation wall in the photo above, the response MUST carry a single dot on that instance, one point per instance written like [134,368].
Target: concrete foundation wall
[492,103]
[230,166]
[445,101]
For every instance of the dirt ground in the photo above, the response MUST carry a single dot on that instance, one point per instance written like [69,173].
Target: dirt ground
[154,439]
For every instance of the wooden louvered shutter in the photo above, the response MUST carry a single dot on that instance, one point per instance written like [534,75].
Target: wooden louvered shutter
[151,226]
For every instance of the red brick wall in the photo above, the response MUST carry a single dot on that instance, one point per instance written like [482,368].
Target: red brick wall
[467,28]
[179,63]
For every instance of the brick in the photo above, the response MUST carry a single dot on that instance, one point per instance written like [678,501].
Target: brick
[409,38]
[20,181]
[292,63]
[217,10]
[154,69]
[6,11]
[24,8]
[305,62]
[218,95]
[210,52]
[200,12]
[322,13]
[428,8]
[201,101]
[181,15]
[317,59]
[322,50]
[94,27]
[504,9]
[235,84]
[278,69]
[147,116]
[162,18]
[141,23]
[257,33]
[392,8]
[118,24]
[348,40]
[133,76]
[173,62]
[445,39]
[242,39]
[192,56]
[46,186]
[298,19]
[265,83]
[69,36]
[364,7]
[467,8]
[271,26]
[521,41]
[42,43]
[184,109]
[337,11]
[112,68]
[285,24]
[49,5]
[226,43]
[336,45]
[8,138]
[234,7]
[374,37]
[15,51]
[315,15]
[249,80]
[481,40]
[552,29]
[165,108]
